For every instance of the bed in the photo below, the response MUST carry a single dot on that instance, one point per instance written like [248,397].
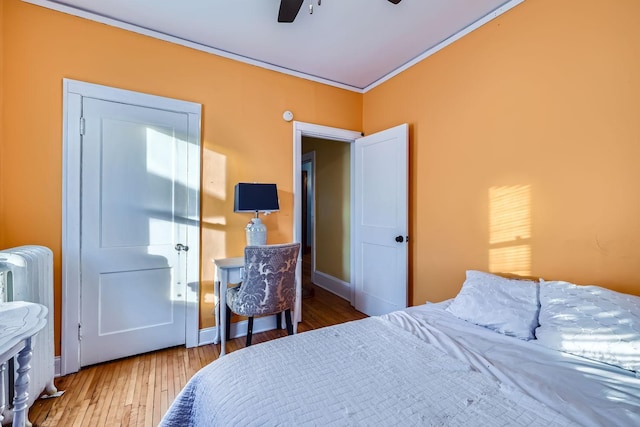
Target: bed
[504,352]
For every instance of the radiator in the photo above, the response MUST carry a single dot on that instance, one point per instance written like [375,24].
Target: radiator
[26,274]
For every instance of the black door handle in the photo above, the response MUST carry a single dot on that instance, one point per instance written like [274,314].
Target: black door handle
[399,239]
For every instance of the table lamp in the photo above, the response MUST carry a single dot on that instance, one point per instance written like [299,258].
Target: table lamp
[255,198]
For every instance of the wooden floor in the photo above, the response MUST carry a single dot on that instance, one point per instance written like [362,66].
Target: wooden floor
[137,391]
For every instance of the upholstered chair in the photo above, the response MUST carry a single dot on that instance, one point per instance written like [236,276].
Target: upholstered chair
[268,286]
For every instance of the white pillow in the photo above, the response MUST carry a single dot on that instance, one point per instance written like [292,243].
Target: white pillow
[591,322]
[508,306]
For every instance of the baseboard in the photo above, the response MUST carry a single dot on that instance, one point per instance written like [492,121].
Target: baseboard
[56,366]
[239,329]
[207,335]
[332,284]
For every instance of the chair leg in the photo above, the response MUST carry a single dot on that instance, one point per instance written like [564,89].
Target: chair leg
[228,323]
[287,319]
[279,320]
[249,331]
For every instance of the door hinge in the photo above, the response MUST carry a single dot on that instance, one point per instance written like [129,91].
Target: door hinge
[79,332]
[82,125]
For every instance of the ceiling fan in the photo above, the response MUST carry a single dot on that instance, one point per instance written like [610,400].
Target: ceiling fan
[289,9]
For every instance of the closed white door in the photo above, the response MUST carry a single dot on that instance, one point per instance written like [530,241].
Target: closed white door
[133,211]
[381,221]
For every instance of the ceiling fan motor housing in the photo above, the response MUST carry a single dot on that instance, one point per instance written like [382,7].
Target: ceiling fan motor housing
[289,9]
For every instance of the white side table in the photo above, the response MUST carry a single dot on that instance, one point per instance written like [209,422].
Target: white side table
[228,270]
[19,322]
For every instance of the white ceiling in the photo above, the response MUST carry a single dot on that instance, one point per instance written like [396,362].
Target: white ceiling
[354,44]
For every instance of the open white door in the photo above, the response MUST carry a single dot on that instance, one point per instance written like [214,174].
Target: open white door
[381,221]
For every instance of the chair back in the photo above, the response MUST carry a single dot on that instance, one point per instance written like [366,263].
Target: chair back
[269,284]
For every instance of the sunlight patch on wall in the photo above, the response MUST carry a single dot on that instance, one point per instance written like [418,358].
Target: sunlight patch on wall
[210,298]
[216,241]
[215,175]
[214,184]
[510,229]
[515,259]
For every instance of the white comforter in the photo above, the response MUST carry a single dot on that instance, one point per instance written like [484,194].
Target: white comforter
[395,370]
[588,392]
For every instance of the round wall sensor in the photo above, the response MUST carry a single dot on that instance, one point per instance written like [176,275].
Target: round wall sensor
[288,116]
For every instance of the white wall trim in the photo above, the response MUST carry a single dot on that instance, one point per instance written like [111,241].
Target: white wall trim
[183,42]
[238,329]
[73,91]
[446,42]
[208,335]
[193,45]
[332,284]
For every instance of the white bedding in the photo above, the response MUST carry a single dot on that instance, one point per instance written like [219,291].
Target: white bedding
[421,366]
[586,391]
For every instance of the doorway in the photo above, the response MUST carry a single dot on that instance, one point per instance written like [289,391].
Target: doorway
[301,129]
[326,213]
[379,203]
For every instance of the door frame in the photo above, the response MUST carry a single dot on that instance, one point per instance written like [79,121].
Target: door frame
[301,129]
[73,92]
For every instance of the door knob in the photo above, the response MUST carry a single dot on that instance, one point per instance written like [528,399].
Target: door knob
[181,247]
[399,239]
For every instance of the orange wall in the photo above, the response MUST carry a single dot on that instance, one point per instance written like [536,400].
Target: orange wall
[534,118]
[242,125]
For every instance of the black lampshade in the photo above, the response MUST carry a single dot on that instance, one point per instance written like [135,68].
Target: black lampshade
[255,197]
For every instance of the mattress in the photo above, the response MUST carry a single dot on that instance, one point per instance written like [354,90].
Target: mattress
[421,366]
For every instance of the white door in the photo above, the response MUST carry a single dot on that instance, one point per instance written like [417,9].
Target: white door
[380,209]
[133,210]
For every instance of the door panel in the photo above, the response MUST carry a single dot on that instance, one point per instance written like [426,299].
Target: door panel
[133,160]
[380,216]
[129,168]
[142,287]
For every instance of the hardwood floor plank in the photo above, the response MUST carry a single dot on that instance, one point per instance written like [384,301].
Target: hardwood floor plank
[81,412]
[137,391]
[120,394]
[142,390]
[132,381]
[151,381]
[160,393]
[108,398]
[126,416]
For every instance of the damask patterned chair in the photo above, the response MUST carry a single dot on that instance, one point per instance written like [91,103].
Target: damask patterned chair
[269,285]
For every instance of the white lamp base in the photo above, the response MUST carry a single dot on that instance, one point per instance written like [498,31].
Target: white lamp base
[256,232]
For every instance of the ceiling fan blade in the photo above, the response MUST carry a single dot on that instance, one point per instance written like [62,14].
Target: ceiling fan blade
[289,10]
[395,1]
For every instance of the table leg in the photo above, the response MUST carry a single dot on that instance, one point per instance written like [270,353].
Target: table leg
[20,400]
[297,307]
[216,308]
[3,390]
[224,282]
